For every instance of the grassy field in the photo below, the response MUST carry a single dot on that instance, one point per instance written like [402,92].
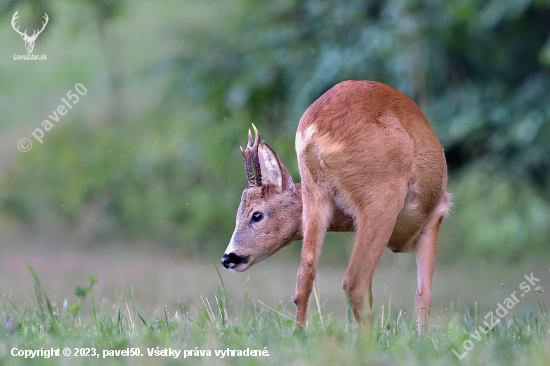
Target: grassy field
[161,302]
[159,299]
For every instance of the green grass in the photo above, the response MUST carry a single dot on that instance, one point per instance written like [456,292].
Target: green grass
[213,323]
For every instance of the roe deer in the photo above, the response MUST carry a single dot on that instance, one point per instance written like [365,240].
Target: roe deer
[369,163]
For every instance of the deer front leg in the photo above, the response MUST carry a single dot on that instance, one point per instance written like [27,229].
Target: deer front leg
[316,220]
[426,248]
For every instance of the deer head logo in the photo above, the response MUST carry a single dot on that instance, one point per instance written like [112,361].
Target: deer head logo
[29,41]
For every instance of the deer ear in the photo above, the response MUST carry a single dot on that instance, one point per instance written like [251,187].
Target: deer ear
[273,170]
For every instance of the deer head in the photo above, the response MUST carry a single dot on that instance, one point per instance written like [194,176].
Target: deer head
[270,213]
[29,41]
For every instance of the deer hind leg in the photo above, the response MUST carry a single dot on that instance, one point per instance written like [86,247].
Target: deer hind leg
[374,228]
[426,247]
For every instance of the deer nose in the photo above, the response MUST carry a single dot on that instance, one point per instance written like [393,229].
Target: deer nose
[231,260]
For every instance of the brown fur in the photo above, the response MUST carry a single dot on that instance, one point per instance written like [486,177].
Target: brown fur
[370,163]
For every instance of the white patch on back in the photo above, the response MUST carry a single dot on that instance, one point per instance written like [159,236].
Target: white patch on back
[303,141]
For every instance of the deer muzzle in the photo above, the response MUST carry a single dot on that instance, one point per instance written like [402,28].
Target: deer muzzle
[234,261]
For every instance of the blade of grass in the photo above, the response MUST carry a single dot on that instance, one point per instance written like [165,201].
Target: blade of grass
[476,314]
[138,314]
[318,305]
[15,307]
[245,298]
[166,319]
[94,314]
[212,312]
[38,291]
[348,303]
[130,315]
[131,292]
[223,285]
[275,311]
[382,319]
[389,312]
[24,322]
[50,308]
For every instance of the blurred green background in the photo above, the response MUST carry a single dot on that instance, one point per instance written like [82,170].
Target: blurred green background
[149,157]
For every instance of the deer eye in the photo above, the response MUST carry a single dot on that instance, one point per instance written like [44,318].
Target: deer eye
[257,216]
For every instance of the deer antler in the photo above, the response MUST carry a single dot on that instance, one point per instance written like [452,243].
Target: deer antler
[35,35]
[15,16]
[251,152]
